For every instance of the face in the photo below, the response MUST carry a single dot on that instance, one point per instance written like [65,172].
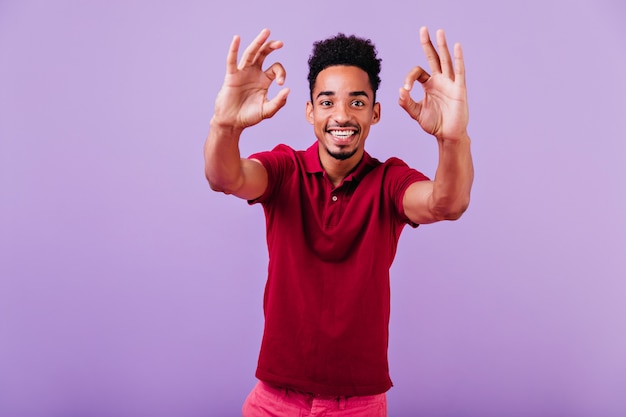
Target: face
[342,112]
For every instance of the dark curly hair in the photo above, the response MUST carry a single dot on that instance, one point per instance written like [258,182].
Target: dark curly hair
[344,50]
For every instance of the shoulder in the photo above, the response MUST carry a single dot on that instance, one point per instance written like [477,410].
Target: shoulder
[280,157]
[278,150]
[398,176]
[396,168]
[395,162]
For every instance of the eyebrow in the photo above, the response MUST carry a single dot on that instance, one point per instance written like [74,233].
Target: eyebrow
[351,94]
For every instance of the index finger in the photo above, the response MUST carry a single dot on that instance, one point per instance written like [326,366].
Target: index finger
[265,50]
[416,74]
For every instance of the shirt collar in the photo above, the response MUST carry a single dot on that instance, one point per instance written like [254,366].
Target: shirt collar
[313,165]
[312,162]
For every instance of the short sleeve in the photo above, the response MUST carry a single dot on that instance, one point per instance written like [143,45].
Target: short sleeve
[398,177]
[278,163]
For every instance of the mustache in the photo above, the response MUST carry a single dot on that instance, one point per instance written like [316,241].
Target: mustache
[343,126]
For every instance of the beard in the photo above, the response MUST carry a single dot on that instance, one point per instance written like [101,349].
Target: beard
[341,155]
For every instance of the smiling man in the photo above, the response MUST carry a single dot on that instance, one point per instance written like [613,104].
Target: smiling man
[341,112]
[334,214]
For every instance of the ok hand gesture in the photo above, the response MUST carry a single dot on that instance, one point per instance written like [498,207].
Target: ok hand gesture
[443,112]
[242,100]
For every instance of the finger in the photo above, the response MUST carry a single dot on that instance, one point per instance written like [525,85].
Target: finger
[404,98]
[231,58]
[459,65]
[271,107]
[408,104]
[416,74]
[266,49]
[444,55]
[251,51]
[276,72]
[429,51]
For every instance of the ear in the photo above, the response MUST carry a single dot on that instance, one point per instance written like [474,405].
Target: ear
[309,111]
[376,113]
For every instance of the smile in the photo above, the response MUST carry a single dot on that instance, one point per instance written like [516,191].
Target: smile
[342,134]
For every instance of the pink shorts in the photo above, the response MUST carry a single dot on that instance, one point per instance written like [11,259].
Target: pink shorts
[268,401]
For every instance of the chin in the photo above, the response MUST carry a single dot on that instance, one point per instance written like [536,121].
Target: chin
[341,154]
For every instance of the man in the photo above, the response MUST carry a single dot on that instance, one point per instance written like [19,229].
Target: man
[334,214]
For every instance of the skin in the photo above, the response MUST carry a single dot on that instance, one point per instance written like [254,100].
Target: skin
[341,113]
[342,102]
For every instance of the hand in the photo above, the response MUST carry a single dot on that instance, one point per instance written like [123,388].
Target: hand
[443,112]
[242,100]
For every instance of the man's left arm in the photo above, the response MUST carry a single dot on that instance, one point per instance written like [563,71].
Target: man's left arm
[443,112]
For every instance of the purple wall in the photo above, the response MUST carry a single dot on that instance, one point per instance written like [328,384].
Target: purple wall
[129,289]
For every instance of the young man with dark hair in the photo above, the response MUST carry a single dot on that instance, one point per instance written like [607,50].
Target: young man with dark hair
[335,214]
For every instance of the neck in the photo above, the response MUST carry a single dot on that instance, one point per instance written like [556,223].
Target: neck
[338,169]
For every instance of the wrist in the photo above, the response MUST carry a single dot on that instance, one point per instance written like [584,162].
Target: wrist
[224,127]
[455,138]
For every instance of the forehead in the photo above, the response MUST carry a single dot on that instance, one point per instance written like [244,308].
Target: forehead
[340,78]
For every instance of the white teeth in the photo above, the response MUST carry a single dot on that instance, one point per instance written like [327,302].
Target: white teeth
[342,133]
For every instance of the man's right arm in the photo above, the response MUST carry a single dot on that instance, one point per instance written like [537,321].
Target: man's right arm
[242,102]
[224,168]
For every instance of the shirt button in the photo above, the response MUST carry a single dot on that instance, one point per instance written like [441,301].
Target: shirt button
[334,198]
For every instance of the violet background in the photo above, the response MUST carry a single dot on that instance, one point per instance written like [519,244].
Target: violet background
[129,289]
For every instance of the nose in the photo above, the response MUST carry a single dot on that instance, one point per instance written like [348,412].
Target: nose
[341,113]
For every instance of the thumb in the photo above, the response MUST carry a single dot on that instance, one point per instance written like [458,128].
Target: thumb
[271,107]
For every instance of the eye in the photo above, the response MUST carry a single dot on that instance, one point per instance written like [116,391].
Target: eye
[358,103]
[326,103]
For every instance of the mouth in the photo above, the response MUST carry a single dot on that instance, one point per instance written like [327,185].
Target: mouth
[342,136]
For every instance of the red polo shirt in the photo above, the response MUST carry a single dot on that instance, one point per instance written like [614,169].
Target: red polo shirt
[326,299]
